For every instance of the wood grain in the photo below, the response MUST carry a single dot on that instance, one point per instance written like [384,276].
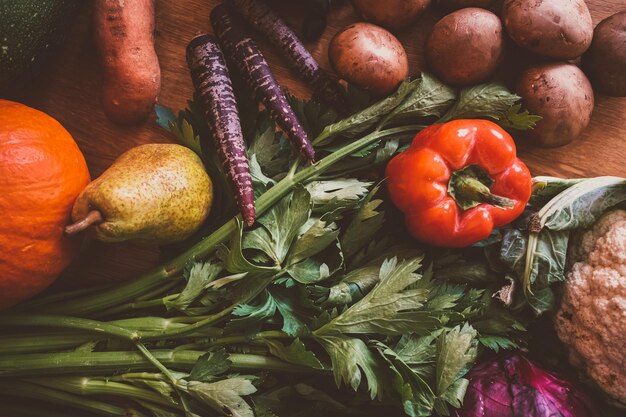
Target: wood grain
[71,92]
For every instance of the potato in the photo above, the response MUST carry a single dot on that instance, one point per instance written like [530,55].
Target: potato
[370,57]
[559,29]
[562,95]
[466,46]
[392,14]
[461,4]
[605,60]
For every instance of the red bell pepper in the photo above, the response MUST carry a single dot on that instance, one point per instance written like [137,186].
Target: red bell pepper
[457,181]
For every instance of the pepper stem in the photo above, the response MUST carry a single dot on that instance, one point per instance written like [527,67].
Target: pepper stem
[93,217]
[470,187]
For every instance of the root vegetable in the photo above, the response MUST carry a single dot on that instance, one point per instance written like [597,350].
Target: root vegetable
[562,95]
[370,57]
[392,14]
[213,85]
[560,29]
[276,31]
[132,77]
[460,4]
[466,46]
[605,60]
[245,55]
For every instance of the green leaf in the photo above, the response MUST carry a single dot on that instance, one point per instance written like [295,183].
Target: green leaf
[549,257]
[541,300]
[252,317]
[456,353]
[344,190]
[513,250]
[582,204]
[364,225]
[283,223]
[453,396]
[180,127]
[546,188]
[484,100]
[432,98]
[369,116]
[286,303]
[496,320]
[417,396]
[350,359]
[261,182]
[389,308]
[389,149]
[312,114]
[269,148]
[225,396]
[210,365]
[263,411]
[496,343]
[295,353]
[198,277]
[308,271]
[444,297]
[317,237]
[518,119]
[234,260]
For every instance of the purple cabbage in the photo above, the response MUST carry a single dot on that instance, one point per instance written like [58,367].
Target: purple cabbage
[512,386]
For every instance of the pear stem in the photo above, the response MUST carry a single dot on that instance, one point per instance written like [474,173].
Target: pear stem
[93,217]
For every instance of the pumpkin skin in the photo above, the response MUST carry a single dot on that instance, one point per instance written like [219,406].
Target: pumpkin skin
[42,171]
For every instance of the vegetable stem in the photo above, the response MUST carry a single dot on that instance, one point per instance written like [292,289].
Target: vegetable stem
[29,390]
[94,386]
[140,346]
[97,363]
[68,322]
[229,340]
[94,217]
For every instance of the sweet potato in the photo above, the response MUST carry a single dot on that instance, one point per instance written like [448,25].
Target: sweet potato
[125,39]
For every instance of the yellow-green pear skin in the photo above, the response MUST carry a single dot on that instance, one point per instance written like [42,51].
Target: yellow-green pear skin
[152,194]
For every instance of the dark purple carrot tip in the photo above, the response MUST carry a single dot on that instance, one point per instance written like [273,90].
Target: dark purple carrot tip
[218,11]
[200,40]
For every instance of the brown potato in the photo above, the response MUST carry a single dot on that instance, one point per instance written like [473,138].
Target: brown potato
[461,4]
[605,60]
[392,14]
[559,29]
[562,95]
[466,46]
[370,57]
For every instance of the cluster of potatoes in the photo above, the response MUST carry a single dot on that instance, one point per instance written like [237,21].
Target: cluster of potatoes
[468,45]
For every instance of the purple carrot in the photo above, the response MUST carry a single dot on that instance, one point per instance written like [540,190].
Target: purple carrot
[212,82]
[243,53]
[260,16]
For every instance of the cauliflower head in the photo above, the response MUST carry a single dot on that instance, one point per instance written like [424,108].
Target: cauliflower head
[591,319]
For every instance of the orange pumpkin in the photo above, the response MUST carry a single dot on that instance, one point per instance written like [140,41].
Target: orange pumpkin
[42,171]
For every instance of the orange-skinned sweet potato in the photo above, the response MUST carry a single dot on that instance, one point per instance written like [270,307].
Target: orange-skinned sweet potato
[125,40]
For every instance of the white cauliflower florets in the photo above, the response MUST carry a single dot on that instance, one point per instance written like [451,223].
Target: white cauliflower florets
[591,320]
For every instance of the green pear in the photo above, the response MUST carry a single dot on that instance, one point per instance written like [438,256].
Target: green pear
[152,194]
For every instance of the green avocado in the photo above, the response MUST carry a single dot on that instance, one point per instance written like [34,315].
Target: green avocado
[30,33]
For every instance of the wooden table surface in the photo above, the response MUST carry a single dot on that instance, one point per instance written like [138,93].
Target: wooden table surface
[70,92]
